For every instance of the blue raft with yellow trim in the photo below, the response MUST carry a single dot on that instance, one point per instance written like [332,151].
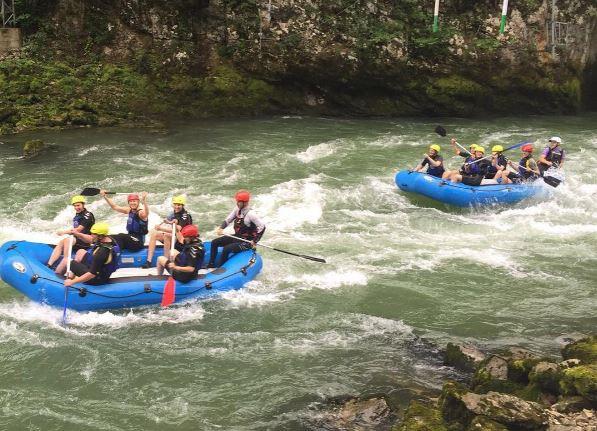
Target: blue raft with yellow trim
[22,265]
[462,195]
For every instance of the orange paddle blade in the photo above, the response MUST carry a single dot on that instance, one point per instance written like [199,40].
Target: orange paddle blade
[168,295]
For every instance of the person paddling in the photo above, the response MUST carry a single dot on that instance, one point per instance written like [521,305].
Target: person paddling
[82,222]
[247,226]
[467,155]
[136,224]
[163,233]
[184,265]
[472,171]
[96,264]
[552,155]
[527,168]
[498,163]
[433,161]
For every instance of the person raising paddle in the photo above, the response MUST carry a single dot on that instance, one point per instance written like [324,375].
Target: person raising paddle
[184,265]
[162,233]
[248,230]
[82,222]
[136,225]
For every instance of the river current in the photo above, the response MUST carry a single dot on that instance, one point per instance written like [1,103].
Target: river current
[404,276]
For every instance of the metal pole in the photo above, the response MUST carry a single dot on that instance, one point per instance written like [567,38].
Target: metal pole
[504,13]
[553,28]
[436,16]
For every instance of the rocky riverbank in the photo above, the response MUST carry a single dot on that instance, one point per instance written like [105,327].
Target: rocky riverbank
[509,390]
[92,63]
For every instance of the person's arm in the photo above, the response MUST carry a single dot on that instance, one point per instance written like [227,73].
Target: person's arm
[123,210]
[82,236]
[252,217]
[453,143]
[144,213]
[419,168]
[562,160]
[226,222]
[434,163]
[80,279]
[542,157]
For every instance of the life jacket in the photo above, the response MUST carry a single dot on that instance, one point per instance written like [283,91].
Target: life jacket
[194,249]
[183,217]
[111,264]
[525,161]
[136,226]
[555,155]
[436,171]
[500,161]
[241,230]
[78,220]
[472,169]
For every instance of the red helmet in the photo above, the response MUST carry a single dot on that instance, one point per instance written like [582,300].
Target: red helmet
[242,196]
[190,230]
[132,197]
[528,148]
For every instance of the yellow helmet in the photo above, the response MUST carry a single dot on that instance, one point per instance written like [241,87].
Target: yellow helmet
[435,147]
[480,149]
[78,199]
[473,148]
[100,228]
[180,199]
[497,149]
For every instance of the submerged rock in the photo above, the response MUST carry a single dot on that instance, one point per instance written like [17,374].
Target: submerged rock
[33,148]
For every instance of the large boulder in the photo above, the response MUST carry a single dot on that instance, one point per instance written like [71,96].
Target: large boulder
[581,380]
[421,417]
[358,414]
[482,423]
[546,376]
[584,349]
[492,375]
[506,409]
[463,357]
[450,403]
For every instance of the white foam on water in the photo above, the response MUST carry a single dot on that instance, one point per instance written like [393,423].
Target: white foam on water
[315,152]
[329,279]
[252,296]
[11,332]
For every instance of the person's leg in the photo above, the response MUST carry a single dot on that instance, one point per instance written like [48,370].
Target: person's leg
[161,263]
[153,238]
[218,242]
[167,244]
[61,268]
[456,178]
[57,252]
[235,247]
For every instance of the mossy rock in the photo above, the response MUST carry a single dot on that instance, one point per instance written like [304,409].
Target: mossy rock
[585,350]
[421,417]
[82,118]
[482,423]
[33,148]
[581,380]
[546,376]
[450,403]
[462,357]
[518,370]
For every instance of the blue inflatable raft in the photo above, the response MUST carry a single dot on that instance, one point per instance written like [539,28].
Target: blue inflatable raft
[22,265]
[461,195]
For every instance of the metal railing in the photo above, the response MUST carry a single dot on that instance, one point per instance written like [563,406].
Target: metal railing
[7,13]
[558,33]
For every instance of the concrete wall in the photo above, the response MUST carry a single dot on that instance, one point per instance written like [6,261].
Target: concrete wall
[10,39]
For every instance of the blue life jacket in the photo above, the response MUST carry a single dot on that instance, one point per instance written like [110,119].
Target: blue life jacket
[136,226]
[78,220]
[111,263]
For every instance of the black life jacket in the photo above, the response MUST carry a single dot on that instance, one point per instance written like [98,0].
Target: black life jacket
[136,226]
[436,171]
[501,161]
[194,249]
[111,264]
[241,230]
[523,172]
[183,217]
[78,220]
[555,155]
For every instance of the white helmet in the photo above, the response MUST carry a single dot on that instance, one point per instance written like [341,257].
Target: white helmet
[556,139]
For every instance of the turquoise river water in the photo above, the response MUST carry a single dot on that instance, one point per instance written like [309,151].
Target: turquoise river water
[403,275]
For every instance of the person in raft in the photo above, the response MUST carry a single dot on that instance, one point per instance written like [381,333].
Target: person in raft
[136,224]
[434,162]
[498,163]
[467,155]
[473,170]
[552,155]
[527,168]
[163,231]
[96,264]
[184,265]
[248,230]
[82,222]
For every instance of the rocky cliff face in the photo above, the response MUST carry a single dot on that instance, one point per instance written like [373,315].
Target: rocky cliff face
[358,57]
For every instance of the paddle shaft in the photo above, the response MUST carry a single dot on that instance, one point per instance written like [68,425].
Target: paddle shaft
[68,258]
[316,259]
[488,157]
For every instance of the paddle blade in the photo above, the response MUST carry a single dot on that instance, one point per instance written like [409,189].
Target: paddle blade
[440,131]
[552,181]
[90,191]
[316,259]
[168,295]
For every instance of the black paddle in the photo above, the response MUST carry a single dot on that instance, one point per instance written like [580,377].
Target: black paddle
[92,191]
[304,256]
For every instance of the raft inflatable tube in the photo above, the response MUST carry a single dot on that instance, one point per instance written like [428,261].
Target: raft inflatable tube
[462,195]
[22,265]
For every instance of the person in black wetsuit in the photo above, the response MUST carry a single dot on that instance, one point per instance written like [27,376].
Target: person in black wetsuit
[184,265]
[433,161]
[498,163]
[136,224]
[163,231]
[248,230]
[96,264]
[82,222]
[467,155]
